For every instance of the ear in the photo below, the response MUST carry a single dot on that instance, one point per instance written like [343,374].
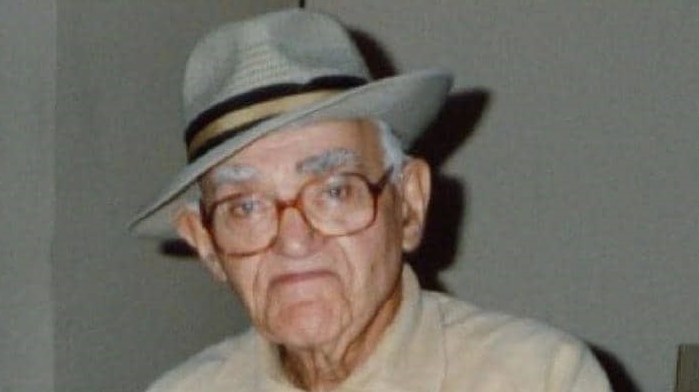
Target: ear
[416,187]
[191,229]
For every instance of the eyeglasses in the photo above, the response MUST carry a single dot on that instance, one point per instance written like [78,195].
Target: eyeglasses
[336,205]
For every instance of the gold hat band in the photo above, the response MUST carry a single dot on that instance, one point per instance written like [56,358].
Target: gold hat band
[238,118]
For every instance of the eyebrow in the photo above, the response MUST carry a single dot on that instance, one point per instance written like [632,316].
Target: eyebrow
[328,161]
[316,165]
[233,174]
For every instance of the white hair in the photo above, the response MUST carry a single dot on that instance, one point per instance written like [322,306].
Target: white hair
[394,155]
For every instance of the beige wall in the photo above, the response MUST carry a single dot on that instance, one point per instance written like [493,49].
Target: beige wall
[581,180]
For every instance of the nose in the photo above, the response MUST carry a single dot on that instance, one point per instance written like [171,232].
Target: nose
[296,237]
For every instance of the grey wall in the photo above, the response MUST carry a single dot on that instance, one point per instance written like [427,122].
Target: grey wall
[582,178]
[125,313]
[27,86]
[90,119]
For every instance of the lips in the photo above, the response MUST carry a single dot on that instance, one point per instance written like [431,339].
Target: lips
[300,277]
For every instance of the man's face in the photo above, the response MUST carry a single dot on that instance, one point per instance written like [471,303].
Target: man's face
[306,289]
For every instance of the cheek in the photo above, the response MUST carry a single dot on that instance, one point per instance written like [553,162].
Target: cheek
[245,279]
[374,258]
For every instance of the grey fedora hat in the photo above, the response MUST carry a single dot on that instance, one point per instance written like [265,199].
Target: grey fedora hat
[249,78]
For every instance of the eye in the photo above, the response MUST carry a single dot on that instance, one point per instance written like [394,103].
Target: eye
[337,190]
[245,207]
[242,207]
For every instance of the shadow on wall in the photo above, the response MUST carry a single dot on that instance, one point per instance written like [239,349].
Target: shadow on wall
[619,378]
[448,206]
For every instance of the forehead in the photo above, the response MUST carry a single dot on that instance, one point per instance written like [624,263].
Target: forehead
[290,146]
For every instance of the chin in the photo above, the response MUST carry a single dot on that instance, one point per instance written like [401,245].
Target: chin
[306,326]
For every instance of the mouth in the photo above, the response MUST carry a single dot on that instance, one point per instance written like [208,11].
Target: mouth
[300,277]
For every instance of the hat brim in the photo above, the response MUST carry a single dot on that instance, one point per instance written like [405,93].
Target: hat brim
[408,103]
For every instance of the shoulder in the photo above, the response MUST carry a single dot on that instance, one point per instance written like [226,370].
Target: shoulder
[199,371]
[508,350]
[461,319]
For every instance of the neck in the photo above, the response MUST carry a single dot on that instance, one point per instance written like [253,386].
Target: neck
[325,367]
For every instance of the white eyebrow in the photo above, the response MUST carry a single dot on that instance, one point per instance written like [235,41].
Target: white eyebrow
[316,164]
[232,174]
[328,161]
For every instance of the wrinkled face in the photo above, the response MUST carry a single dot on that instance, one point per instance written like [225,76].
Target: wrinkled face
[308,289]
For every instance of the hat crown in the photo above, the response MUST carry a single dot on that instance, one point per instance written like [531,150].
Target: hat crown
[285,47]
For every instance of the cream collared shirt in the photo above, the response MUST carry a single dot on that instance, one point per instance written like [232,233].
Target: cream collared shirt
[436,343]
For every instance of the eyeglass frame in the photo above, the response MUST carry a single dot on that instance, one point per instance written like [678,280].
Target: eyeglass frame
[375,190]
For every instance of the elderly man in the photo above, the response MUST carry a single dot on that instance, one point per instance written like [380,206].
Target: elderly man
[306,206]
